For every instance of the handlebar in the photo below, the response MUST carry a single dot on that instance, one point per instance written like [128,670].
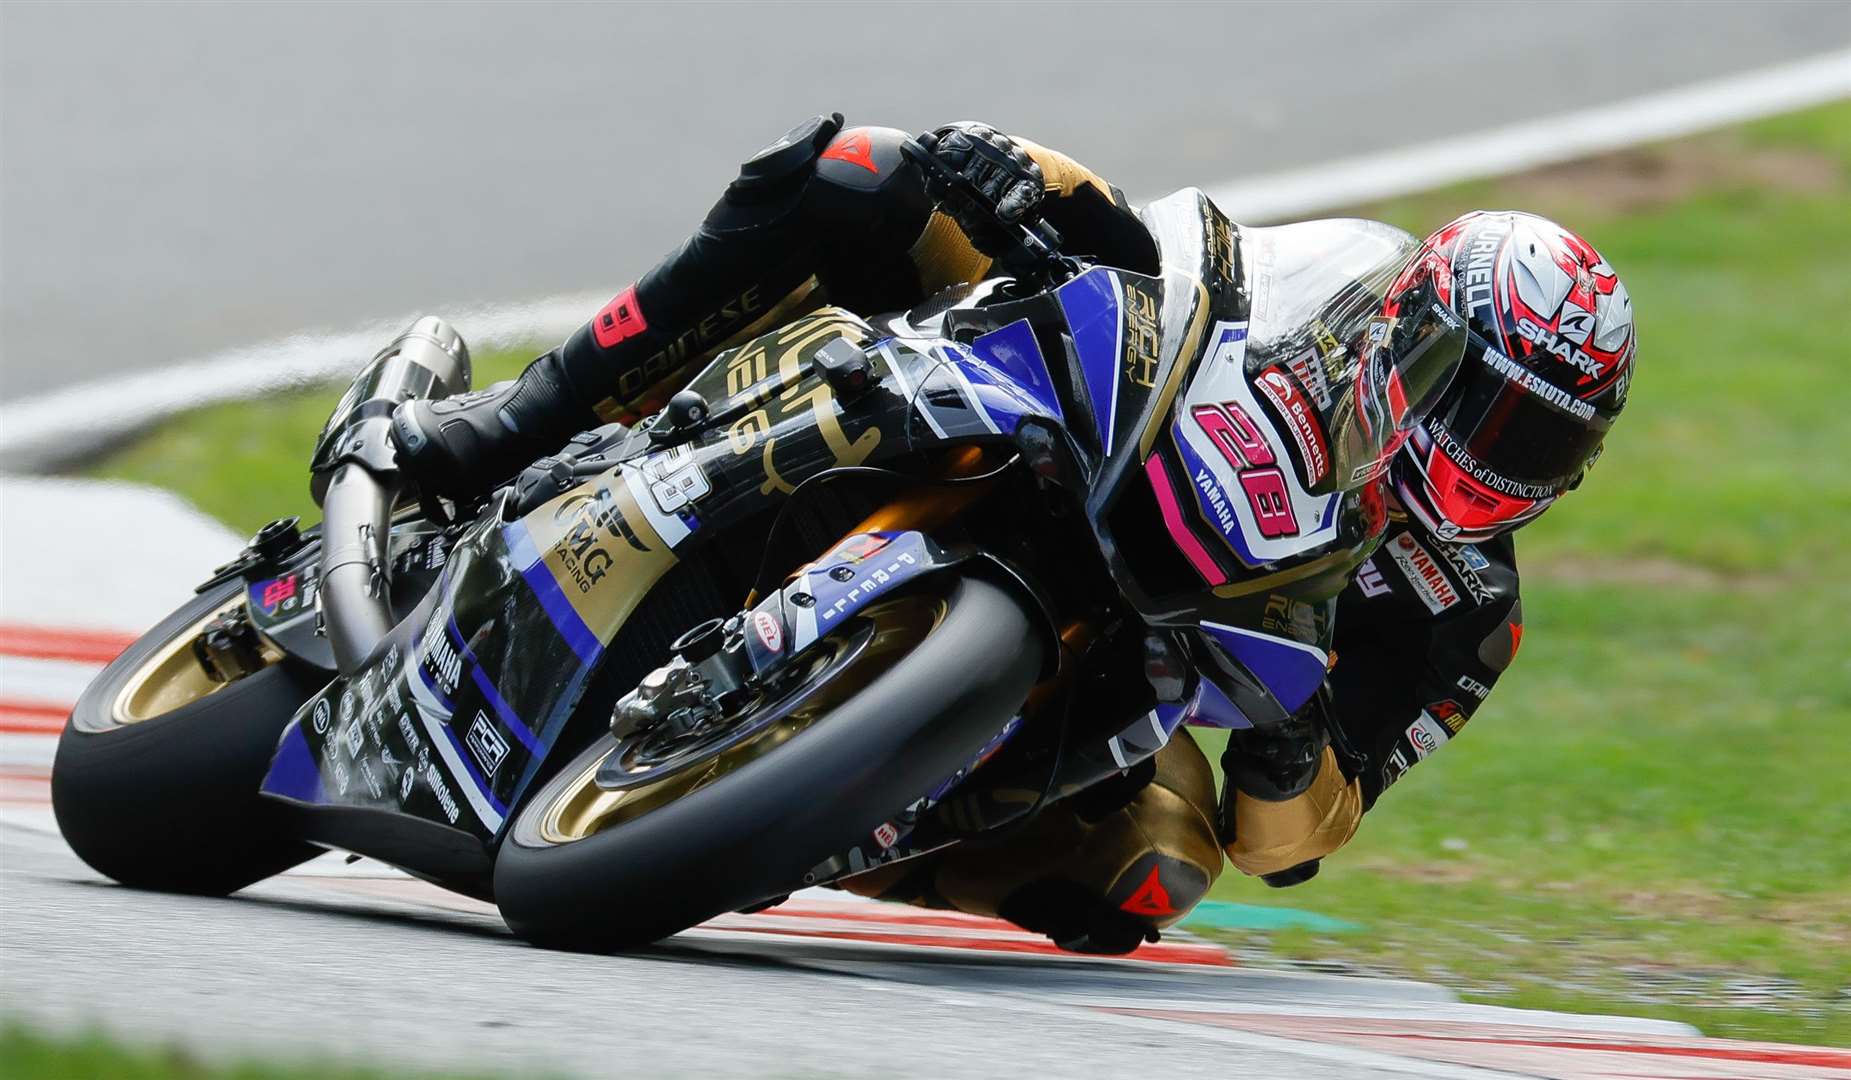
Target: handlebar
[1034,253]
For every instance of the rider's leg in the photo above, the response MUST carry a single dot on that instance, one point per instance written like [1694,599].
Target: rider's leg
[792,217]
[1093,879]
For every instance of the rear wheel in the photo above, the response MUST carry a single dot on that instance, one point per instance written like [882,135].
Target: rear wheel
[155,782]
[887,707]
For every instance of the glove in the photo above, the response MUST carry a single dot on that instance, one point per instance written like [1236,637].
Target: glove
[1010,181]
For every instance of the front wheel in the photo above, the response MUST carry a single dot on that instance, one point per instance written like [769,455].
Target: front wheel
[887,707]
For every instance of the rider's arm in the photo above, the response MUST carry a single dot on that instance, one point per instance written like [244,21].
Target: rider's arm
[821,216]
[1424,630]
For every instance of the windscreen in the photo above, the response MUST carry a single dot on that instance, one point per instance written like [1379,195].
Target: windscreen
[1371,368]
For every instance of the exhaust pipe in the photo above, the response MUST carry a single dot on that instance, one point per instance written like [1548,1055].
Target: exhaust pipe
[356,480]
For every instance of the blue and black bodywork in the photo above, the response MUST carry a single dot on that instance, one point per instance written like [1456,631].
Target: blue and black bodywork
[1067,390]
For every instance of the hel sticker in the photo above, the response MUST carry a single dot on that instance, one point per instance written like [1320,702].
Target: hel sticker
[770,634]
[1423,573]
[486,744]
[886,835]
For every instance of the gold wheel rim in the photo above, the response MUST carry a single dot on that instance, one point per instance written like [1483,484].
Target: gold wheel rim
[173,678]
[584,809]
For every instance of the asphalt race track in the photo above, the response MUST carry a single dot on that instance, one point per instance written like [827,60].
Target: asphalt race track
[181,179]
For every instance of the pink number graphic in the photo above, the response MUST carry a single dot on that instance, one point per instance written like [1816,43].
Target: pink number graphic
[1239,439]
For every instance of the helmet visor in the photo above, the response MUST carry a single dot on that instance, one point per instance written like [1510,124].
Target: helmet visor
[1410,360]
[1514,431]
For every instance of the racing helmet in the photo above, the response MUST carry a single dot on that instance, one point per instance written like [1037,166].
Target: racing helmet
[1547,366]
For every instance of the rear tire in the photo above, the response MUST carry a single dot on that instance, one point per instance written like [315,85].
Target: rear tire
[170,801]
[752,833]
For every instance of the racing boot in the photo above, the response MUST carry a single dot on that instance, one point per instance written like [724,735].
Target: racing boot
[1287,802]
[463,446]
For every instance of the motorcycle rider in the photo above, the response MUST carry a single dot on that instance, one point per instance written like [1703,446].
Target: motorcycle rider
[832,215]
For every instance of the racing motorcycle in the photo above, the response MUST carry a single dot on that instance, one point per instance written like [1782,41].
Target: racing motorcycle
[848,596]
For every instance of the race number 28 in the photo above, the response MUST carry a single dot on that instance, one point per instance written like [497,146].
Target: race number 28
[1239,439]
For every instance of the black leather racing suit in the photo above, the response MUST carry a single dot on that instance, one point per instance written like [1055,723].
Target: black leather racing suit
[1424,629]
[832,216]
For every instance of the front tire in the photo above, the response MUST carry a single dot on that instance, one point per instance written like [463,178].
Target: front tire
[155,782]
[579,871]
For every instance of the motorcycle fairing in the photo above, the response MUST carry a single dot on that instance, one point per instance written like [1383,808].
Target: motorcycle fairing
[451,718]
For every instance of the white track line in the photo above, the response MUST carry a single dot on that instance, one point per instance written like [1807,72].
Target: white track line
[61,425]
[1531,143]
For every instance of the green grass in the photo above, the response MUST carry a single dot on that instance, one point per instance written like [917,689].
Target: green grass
[246,462]
[1649,814]
[1648,817]
[25,1055]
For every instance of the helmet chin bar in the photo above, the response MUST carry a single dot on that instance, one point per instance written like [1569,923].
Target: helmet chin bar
[1419,496]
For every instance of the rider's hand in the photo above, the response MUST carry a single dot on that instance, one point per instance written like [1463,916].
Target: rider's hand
[999,168]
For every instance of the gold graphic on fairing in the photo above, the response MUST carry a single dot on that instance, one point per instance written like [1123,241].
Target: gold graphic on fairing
[598,544]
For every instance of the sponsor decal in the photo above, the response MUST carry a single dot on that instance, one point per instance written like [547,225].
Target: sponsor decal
[1230,430]
[1370,580]
[320,718]
[1300,421]
[1142,338]
[1481,256]
[1449,714]
[280,595]
[886,835]
[620,319]
[405,780]
[1289,618]
[854,147]
[434,780]
[770,634]
[1429,581]
[676,479]
[1310,375]
[1393,768]
[876,580]
[373,786]
[442,660]
[1426,735]
[486,744]
[355,739]
[1474,559]
[1473,687]
[1561,348]
[1460,456]
[1551,394]
[1468,576]
[342,781]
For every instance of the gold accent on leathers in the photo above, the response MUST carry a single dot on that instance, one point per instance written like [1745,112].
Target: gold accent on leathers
[1061,176]
[1172,816]
[1274,836]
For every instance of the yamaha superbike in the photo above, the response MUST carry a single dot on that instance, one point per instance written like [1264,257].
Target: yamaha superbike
[860,577]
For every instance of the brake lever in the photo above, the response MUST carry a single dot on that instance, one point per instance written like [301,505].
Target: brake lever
[1038,251]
